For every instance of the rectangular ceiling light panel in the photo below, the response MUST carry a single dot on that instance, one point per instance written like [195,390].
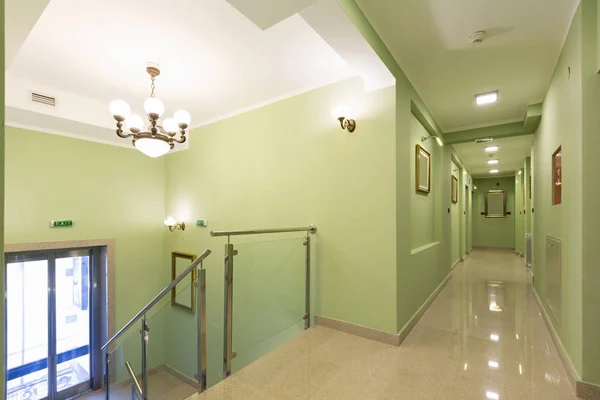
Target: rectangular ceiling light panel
[486,98]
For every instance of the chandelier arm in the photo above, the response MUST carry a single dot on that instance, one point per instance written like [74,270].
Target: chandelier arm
[183,139]
[120,131]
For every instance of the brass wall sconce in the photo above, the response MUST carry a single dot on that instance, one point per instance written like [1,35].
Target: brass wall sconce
[437,139]
[345,123]
[174,225]
[348,124]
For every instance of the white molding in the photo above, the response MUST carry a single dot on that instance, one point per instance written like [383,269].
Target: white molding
[412,322]
[126,144]
[358,330]
[583,390]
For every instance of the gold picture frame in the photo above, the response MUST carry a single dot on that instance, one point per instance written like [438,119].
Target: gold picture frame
[179,262]
[454,189]
[423,170]
[495,204]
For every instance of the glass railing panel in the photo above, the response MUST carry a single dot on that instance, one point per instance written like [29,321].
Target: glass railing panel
[126,349]
[173,345]
[268,296]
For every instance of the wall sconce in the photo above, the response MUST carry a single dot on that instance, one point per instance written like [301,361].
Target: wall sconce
[346,123]
[174,225]
[437,139]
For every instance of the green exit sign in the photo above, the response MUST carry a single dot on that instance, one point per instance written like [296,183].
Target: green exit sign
[61,224]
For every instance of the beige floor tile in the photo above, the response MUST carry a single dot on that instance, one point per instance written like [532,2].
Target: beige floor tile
[482,337]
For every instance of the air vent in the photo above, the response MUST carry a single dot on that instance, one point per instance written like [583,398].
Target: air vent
[43,99]
[484,140]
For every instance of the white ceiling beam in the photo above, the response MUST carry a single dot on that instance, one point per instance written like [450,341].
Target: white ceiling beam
[266,13]
[21,17]
[330,21]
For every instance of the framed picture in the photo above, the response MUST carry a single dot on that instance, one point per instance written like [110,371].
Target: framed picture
[454,189]
[423,170]
[557,176]
[495,204]
[183,296]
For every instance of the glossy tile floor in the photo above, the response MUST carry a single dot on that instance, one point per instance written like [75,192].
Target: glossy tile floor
[482,338]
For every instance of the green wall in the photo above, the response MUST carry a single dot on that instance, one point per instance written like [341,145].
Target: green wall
[418,273]
[562,125]
[520,193]
[423,218]
[455,216]
[494,232]
[590,216]
[108,191]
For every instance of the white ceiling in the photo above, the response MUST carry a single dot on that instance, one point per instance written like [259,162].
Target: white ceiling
[215,61]
[511,155]
[429,39]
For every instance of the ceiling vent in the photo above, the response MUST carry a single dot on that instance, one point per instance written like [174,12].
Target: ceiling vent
[484,140]
[39,98]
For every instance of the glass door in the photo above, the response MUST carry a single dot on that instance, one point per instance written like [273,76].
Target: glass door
[72,366]
[49,319]
[27,328]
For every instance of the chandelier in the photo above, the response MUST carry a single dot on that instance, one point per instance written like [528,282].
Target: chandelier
[156,139]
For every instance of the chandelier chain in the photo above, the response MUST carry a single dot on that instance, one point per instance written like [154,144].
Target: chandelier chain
[152,86]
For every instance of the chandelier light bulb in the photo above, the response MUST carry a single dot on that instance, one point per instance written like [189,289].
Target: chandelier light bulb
[119,108]
[134,123]
[152,105]
[170,125]
[182,117]
[152,147]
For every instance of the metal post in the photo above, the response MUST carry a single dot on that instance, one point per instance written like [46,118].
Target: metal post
[228,323]
[106,376]
[144,332]
[201,319]
[307,285]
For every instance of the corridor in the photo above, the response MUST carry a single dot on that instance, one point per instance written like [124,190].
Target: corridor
[482,338]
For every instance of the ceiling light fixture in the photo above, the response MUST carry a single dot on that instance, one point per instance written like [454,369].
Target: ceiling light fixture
[486,98]
[491,149]
[492,162]
[493,171]
[156,140]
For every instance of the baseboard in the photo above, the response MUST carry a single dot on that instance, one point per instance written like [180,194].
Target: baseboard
[412,322]
[583,390]
[358,330]
[380,336]
[455,264]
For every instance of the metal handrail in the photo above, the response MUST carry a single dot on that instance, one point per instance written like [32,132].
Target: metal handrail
[136,385]
[158,297]
[311,228]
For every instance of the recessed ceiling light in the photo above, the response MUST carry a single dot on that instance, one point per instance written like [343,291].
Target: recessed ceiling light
[494,337]
[491,149]
[493,171]
[486,98]
[493,364]
[492,162]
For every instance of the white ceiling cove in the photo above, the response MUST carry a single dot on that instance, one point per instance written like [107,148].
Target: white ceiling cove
[429,39]
[215,61]
[511,155]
